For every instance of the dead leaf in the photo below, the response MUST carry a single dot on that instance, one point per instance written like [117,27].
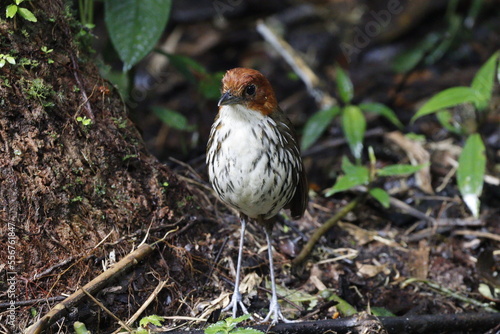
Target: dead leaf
[418,155]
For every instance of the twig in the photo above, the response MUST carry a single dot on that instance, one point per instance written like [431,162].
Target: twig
[82,89]
[136,315]
[310,79]
[478,234]
[409,210]
[32,301]
[98,303]
[304,253]
[450,293]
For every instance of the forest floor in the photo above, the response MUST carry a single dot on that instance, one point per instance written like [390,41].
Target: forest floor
[425,254]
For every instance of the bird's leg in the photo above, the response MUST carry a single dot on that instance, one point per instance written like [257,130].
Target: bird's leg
[274,307]
[236,299]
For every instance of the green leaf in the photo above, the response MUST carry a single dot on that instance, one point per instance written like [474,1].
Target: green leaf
[135,26]
[209,85]
[316,125]
[2,63]
[354,176]
[381,312]
[344,85]
[447,98]
[80,328]
[234,321]
[407,60]
[397,169]
[448,122]
[347,166]
[152,319]
[381,195]
[439,50]
[186,66]
[354,126]
[11,11]
[217,328]
[173,118]
[470,172]
[483,82]
[343,306]
[382,110]
[27,14]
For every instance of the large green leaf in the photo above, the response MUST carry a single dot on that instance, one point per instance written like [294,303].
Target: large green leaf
[344,85]
[354,126]
[382,110]
[316,125]
[483,82]
[445,99]
[470,172]
[135,26]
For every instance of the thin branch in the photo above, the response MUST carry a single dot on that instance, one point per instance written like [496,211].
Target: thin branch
[98,303]
[299,66]
[136,315]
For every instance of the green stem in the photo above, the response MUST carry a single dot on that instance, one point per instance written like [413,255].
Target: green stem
[304,253]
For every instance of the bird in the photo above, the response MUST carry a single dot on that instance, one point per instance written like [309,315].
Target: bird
[254,165]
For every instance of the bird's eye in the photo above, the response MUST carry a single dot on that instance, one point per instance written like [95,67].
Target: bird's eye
[250,90]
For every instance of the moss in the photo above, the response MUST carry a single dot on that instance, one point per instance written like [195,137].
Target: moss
[38,89]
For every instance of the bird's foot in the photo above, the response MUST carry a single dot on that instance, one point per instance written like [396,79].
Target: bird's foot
[275,314]
[236,301]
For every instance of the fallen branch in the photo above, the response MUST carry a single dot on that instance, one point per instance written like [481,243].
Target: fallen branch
[92,287]
[436,323]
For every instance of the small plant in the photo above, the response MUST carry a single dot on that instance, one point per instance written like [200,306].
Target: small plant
[353,121]
[120,122]
[228,326]
[84,120]
[155,320]
[6,59]
[25,13]
[39,90]
[355,175]
[76,199]
[46,50]
[472,160]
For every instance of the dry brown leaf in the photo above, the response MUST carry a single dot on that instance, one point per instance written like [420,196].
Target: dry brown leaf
[417,155]
[362,236]
[419,260]
[371,270]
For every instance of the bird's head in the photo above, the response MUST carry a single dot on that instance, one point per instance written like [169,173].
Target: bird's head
[249,88]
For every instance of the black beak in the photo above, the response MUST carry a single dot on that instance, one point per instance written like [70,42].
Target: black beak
[228,98]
